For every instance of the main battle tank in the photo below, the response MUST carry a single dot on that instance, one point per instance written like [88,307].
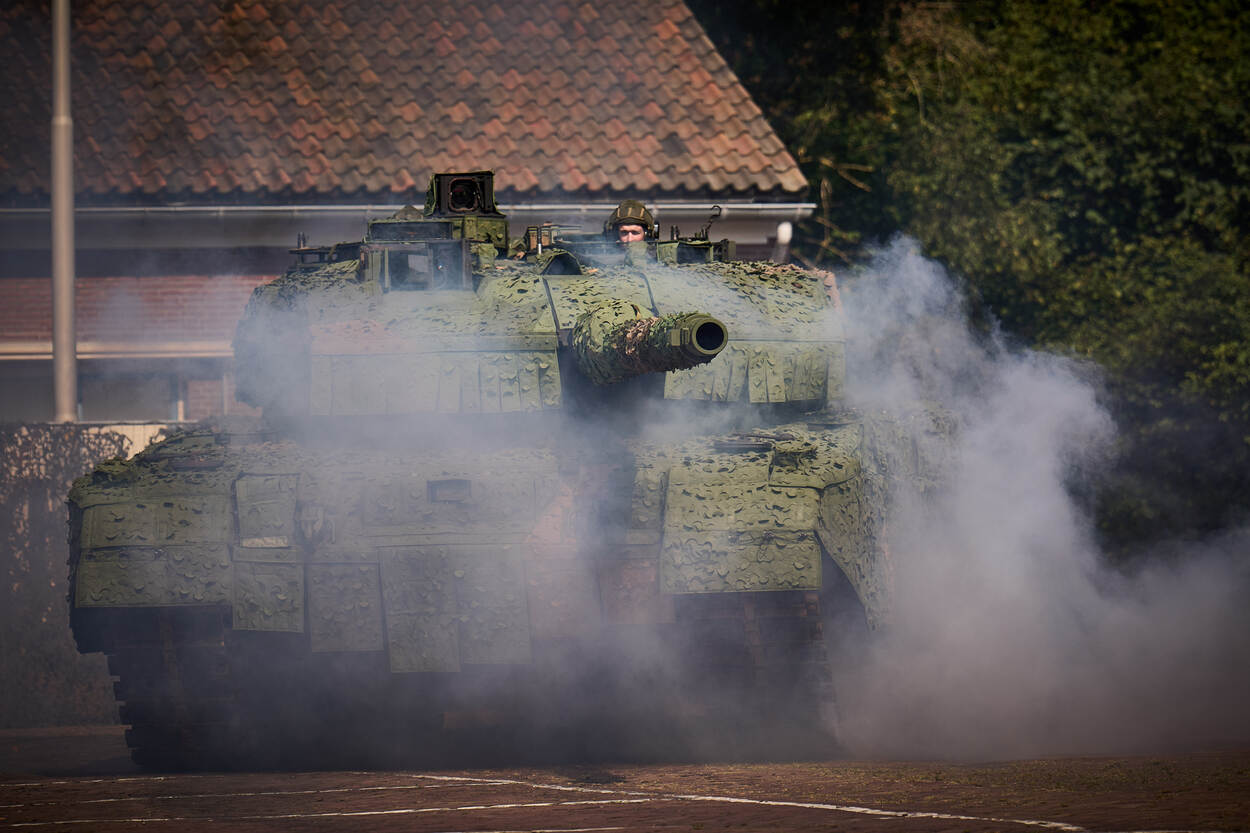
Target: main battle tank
[518,494]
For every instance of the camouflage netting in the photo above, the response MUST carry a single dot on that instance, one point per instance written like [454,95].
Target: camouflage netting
[907,455]
[616,341]
[43,679]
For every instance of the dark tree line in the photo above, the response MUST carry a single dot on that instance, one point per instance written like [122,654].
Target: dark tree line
[1086,169]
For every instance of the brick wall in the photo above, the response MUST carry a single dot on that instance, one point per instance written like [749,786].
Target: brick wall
[203,398]
[210,397]
[170,316]
[168,308]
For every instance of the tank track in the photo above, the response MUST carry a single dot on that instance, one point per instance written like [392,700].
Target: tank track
[754,680]
[199,696]
[761,671]
[174,688]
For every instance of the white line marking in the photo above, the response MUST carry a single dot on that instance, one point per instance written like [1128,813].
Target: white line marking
[636,797]
[539,830]
[192,796]
[873,811]
[405,811]
[92,821]
[841,808]
[89,781]
[195,777]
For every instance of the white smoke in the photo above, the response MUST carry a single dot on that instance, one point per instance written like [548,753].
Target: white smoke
[1008,635]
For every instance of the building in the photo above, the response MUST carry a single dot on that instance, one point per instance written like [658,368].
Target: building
[208,134]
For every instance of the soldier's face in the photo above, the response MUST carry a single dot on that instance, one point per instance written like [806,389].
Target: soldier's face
[629,232]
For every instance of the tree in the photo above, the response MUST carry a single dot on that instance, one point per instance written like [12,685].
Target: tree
[1088,172]
[817,70]
[1085,169]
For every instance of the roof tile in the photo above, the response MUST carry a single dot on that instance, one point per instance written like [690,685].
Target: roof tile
[257,101]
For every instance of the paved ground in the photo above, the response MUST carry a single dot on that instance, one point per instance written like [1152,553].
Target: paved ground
[81,779]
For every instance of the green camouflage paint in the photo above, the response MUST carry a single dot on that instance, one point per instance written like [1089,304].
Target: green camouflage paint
[425,486]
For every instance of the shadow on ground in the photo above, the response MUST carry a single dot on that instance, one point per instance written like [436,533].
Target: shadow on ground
[66,751]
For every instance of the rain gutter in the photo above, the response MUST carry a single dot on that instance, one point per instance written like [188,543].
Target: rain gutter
[41,350]
[234,226]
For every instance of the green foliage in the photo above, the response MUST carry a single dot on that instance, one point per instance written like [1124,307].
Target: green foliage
[1060,136]
[1085,169]
[1088,172]
[817,70]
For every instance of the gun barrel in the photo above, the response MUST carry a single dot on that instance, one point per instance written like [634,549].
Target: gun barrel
[614,342]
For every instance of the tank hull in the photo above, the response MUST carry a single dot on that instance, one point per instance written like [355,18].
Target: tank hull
[265,601]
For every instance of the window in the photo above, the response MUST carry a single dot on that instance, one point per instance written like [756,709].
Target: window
[428,265]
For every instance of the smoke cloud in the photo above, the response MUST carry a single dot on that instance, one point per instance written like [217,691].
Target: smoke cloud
[1009,635]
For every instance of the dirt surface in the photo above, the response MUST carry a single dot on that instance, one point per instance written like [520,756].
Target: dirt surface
[81,779]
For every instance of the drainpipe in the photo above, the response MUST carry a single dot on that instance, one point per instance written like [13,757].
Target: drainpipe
[64,337]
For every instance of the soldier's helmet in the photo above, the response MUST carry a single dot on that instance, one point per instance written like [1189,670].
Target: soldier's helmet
[630,212]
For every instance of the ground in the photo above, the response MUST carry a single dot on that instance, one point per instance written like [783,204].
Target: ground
[82,778]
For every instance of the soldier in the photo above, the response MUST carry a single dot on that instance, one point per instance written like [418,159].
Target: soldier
[631,222]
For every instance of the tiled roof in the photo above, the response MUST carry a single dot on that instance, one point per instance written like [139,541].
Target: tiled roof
[256,101]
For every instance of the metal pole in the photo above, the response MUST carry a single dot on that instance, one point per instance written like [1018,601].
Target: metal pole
[64,336]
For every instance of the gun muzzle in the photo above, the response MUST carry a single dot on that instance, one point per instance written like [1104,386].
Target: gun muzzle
[614,341]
